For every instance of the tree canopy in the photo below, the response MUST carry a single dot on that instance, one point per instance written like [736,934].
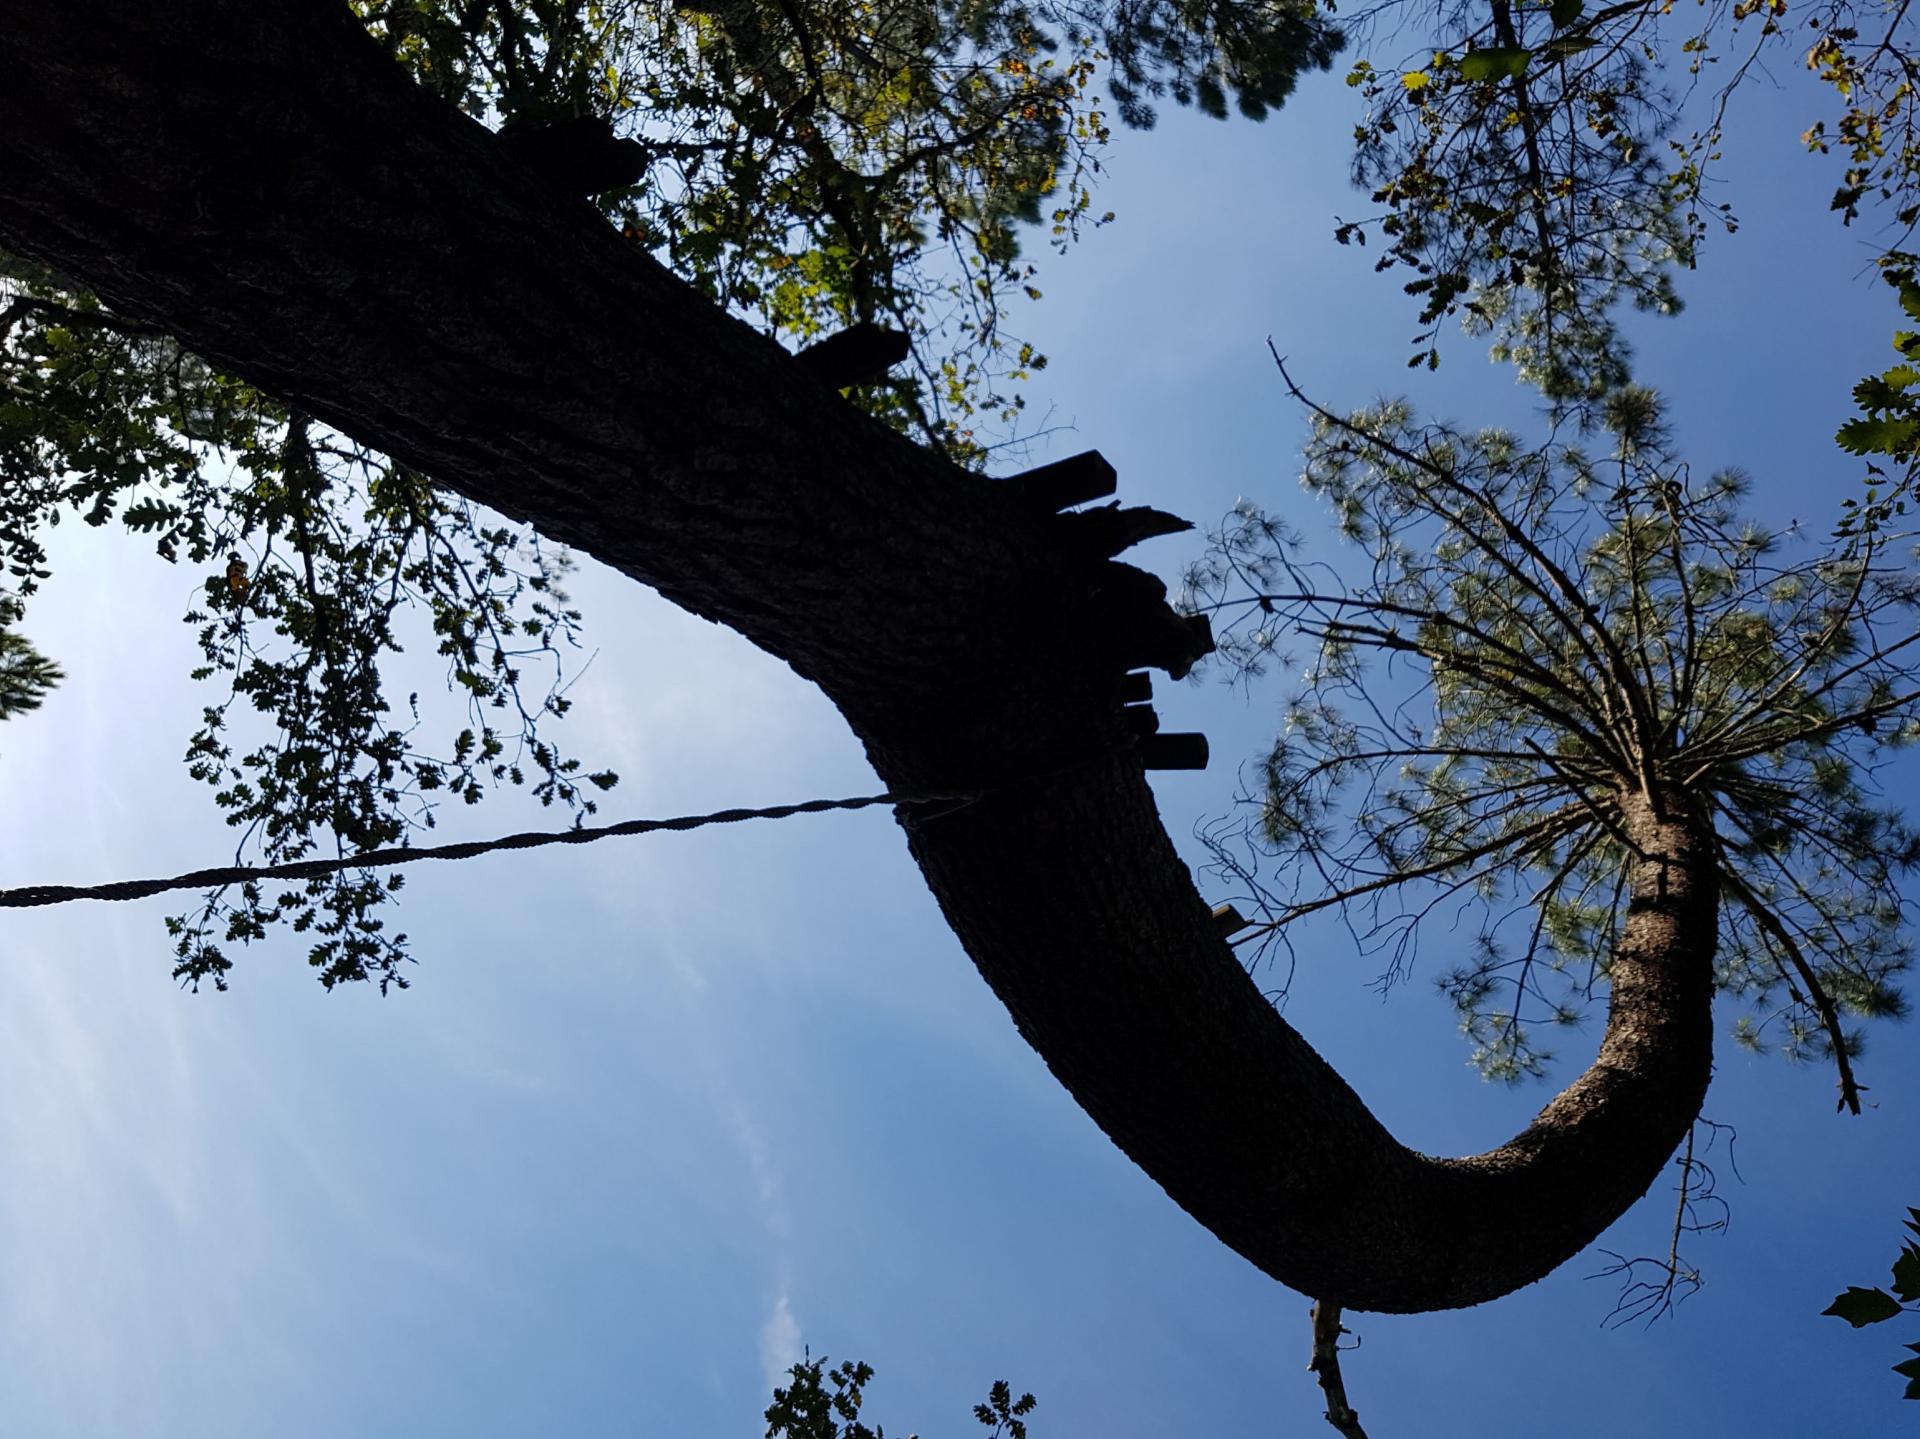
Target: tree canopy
[1533,174]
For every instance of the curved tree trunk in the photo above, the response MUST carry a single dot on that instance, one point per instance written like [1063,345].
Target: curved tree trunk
[261,181]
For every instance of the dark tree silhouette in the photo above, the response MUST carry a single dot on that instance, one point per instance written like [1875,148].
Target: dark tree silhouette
[269,188]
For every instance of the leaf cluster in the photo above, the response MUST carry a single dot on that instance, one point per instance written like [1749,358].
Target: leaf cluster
[809,1409]
[1519,164]
[1866,56]
[1533,176]
[1889,422]
[314,555]
[1861,1307]
[1207,52]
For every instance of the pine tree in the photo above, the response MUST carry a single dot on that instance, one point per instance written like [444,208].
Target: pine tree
[1583,644]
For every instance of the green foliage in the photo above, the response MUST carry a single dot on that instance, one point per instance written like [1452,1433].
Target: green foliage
[1560,630]
[1533,175]
[808,1409]
[1869,67]
[1496,63]
[344,765]
[1517,157]
[1889,424]
[314,555]
[25,674]
[1002,1413]
[1201,52]
[1861,1307]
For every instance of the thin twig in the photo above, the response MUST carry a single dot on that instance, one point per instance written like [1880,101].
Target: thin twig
[1775,928]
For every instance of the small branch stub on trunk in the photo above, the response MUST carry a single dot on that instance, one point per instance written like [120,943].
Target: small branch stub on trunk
[1072,481]
[859,355]
[1227,920]
[1104,532]
[1143,632]
[578,156]
[1174,751]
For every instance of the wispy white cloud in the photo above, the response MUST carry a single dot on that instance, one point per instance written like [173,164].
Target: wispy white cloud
[779,1341]
[780,1331]
[760,1163]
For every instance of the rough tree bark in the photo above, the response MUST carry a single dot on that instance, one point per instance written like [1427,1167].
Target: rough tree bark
[261,181]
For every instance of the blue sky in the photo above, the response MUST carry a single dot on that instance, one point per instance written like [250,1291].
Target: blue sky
[659,1111]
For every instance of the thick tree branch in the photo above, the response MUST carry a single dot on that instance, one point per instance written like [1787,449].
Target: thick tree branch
[263,182]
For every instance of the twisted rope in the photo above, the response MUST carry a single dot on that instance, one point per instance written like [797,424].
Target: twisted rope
[27,896]
[31,895]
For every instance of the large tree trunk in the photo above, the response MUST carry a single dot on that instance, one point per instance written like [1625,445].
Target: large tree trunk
[261,181]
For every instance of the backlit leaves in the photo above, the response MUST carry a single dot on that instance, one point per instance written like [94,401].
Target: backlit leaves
[314,556]
[1517,164]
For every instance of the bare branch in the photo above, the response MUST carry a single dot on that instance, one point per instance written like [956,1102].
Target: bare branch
[1325,1367]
